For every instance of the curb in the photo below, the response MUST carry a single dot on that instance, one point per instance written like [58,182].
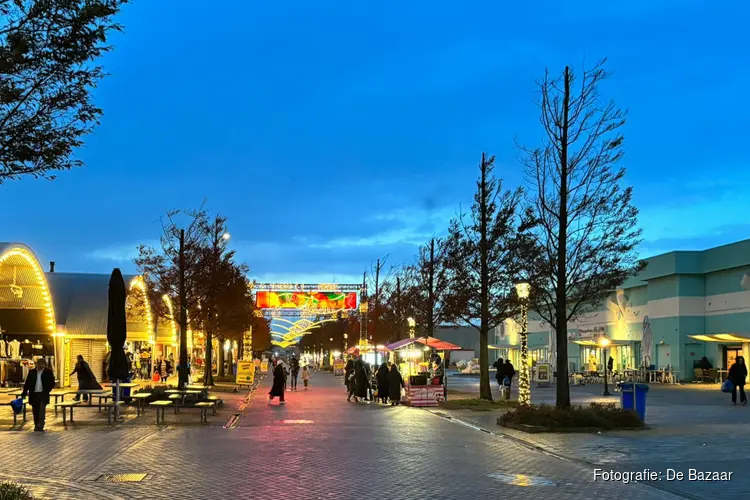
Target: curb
[535,447]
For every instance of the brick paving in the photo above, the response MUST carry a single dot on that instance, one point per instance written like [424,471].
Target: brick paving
[317,446]
[692,426]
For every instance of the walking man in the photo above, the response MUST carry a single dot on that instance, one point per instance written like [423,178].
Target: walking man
[39,383]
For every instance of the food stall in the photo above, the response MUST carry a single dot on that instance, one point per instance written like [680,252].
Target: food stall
[413,358]
[375,355]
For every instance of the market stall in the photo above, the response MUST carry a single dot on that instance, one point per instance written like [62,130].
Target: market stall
[372,354]
[414,357]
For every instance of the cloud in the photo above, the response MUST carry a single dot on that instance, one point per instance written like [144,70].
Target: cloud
[117,252]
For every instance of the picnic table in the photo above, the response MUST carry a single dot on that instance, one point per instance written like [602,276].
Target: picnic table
[196,387]
[15,416]
[140,398]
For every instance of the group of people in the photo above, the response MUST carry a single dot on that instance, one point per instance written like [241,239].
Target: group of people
[504,371]
[360,379]
[282,374]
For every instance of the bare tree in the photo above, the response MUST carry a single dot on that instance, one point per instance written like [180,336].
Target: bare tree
[427,284]
[379,280]
[586,225]
[482,257]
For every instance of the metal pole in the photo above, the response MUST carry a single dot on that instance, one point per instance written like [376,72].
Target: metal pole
[606,369]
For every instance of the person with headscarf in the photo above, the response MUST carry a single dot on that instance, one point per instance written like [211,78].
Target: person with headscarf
[86,378]
[395,384]
[279,384]
[382,378]
[500,373]
[360,378]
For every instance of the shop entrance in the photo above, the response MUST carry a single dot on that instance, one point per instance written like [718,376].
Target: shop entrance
[730,355]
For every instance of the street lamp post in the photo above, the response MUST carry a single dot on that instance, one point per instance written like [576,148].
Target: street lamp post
[524,385]
[412,327]
[603,343]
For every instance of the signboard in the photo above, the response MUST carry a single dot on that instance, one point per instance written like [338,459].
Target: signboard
[543,374]
[307,287]
[264,366]
[591,333]
[245,372]
[310,301]
[66,357]
[257,363]
[338,366]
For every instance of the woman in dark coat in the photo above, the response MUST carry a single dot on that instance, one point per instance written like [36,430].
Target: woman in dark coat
[500,373]
[360,377]
[395,383]
[382,377]
[279,381]
[737,374]
[86,378]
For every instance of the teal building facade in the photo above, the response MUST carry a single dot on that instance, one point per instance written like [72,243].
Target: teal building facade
[683,306]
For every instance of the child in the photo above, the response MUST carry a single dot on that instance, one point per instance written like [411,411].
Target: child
[306,375]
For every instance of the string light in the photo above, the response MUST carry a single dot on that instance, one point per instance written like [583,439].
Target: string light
[31,259]
[138,283]
[524,387]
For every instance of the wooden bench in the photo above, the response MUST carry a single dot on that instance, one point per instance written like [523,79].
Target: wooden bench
[178,400]
[140,398]
[65,405]
[110,406]
[160,405]
[203,406]
[15,415]
[102,397]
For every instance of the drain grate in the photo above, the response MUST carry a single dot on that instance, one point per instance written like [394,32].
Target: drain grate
[122,478]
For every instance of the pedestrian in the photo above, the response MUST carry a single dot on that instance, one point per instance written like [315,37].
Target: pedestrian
[352,385]
[738,374]
[86,378]
[360,378]
[348,370]
[39,383]
[294,365]
[369,375]
[279,384]
[438,370]
[395,384]
[162,369]
[382,378]
[500,373]
[306,375]
[509,371]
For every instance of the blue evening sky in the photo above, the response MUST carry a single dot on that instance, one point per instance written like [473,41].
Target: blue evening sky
[333,133]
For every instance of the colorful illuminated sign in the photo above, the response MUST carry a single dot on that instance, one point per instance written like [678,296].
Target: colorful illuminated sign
[308,287]
[311,301]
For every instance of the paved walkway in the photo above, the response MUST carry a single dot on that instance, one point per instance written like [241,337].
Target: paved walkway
[692,426]
[317,446]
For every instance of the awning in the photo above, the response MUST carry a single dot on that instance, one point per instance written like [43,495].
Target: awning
[723,337]
[437,344]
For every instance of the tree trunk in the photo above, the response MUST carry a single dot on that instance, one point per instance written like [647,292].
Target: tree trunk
[561,310]
[377,302]
[220,357]
[399,314]
[485,391]
[431,291]
[208,376]
[183,361]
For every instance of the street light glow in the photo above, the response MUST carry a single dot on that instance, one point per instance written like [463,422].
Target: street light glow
[523,290]
[603,341]
[411,322]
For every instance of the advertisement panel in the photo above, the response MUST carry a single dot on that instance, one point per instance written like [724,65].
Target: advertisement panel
[338,366]
[543,374]
[245,372]
[306,300]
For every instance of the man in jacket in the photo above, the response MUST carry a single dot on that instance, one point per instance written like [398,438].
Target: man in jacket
[39,383]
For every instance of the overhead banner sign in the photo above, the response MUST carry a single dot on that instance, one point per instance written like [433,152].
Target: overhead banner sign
[308,301]
[245,372]
[307,287]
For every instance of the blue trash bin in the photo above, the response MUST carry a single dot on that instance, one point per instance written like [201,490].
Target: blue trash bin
[638,397]
[124,391]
